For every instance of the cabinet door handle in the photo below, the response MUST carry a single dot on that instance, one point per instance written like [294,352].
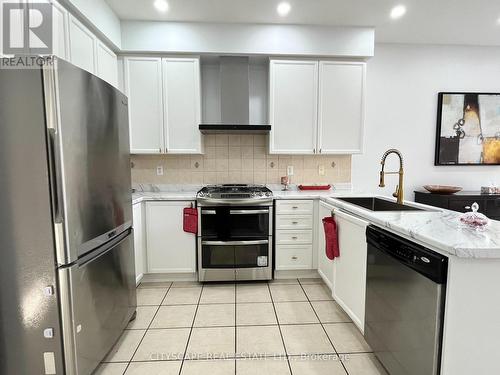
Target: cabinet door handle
[320,150]
[294,258]
[295,222]
[314,150]
[295,207]
[294,237]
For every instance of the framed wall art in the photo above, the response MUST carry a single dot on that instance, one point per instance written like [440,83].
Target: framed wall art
[468,129]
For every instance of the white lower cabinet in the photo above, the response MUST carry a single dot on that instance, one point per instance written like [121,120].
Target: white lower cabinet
[294,257]
[139,241]
[169,248]
[325,265]
[349,275]
[294,235]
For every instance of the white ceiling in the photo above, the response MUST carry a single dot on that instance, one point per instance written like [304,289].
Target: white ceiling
[472,22]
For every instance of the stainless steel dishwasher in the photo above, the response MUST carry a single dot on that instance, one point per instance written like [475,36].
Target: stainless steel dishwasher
[405,295]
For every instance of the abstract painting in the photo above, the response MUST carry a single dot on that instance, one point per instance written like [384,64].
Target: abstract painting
[468,129]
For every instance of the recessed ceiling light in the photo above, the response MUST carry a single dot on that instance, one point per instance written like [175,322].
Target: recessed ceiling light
[283,8]
[161,5]
[398,11]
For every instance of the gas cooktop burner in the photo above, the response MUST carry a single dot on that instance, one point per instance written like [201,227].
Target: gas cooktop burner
[234,192]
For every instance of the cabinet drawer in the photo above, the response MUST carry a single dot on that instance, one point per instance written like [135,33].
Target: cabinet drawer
[296,207]
[493,208]
[292,237]
[294,222]
[291,257]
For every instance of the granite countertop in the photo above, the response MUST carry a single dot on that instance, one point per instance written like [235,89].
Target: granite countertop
[436,228]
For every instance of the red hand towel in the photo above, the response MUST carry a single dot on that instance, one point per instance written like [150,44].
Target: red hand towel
[190,220]
[331,236]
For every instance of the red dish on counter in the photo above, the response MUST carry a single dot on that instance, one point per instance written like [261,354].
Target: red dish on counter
[315,187]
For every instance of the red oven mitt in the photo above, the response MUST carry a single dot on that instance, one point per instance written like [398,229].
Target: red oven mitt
[331,236]
[190,220]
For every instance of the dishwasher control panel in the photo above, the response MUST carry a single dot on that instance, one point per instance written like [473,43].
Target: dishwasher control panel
[423,260]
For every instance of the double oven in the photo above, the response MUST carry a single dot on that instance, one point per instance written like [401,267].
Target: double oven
[235,237]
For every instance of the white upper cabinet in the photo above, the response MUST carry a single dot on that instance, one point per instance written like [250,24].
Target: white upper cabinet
[60,40]
[293,106]
[107,64]
[341,107]
[316,107]
[82,45]
[143,85]
[182,105]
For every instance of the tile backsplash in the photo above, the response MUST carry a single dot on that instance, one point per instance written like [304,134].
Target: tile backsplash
[231,158]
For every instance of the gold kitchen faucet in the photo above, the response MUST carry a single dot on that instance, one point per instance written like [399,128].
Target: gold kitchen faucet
[399,193]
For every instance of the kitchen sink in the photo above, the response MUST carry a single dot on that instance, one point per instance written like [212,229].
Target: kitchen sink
[378,204]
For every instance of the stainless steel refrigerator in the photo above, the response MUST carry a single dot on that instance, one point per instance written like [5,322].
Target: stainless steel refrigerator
[67,278]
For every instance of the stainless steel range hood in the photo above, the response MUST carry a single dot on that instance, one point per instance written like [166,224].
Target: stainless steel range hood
[234,82]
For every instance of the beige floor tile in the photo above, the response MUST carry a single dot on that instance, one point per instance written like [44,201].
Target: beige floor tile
[330,312]
[329,365]
[255,314]
[283,281]
[152,296]
[144,317]
[211,343]
[218,294]
[318,292]
[252,293]
[214,367]
[162,344]
[154,368]
[125,347]
[261,340]
[215,315]
[174,316]
[182,296]
[306,339]
[186,284]
[287,293]
[311,281]
[346,338]
[363,364]
[152,284]
[111,369]
[295,313]
[262,367]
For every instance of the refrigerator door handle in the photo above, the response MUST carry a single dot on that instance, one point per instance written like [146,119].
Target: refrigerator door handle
[54,177]
[89,258]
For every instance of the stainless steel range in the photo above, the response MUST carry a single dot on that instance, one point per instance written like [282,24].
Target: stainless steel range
[235,240]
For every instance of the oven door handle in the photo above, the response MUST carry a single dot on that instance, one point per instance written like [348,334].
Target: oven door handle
[248,212]
[208,212]
[234,243]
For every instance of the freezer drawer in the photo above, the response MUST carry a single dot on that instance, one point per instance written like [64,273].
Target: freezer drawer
[98,299]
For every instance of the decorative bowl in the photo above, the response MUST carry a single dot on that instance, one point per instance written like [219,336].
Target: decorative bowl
[442,189]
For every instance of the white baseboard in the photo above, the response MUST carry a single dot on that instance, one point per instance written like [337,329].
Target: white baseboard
[296,274]
[166,277]
[326,281]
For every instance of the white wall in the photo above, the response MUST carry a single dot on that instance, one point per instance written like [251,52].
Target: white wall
[186,37]
[402,83]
